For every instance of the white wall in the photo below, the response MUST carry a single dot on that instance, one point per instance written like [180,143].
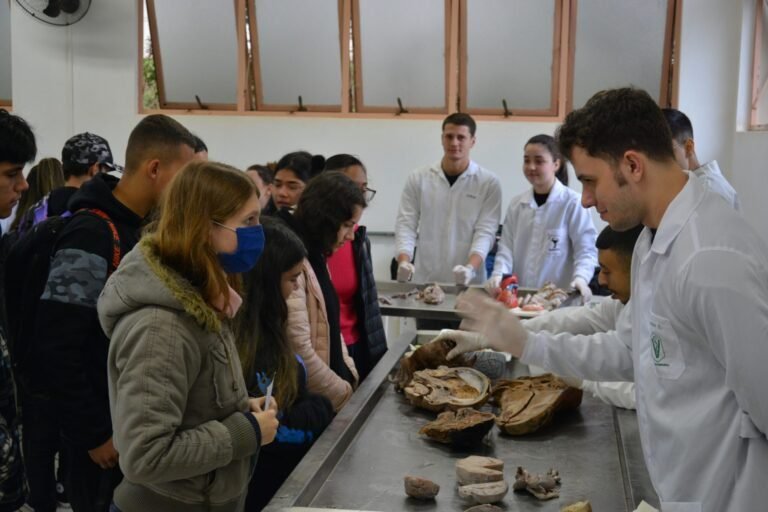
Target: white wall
[84,77]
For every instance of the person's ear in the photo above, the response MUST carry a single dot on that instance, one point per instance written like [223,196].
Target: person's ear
[94,170]
[152,169]
[690,148]
[636,163]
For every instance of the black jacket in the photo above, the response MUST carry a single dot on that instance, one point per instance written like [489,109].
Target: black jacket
[72,348]
[373,341]
[319,265]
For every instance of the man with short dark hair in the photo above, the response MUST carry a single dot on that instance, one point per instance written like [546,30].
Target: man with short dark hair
[452,209]
[698,349]
[71,347]
[685,154]
[17,147]
[603,321]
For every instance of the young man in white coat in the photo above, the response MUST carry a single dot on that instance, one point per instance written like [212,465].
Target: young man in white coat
[699,343]
[602,321]
[451,211]
[685,154]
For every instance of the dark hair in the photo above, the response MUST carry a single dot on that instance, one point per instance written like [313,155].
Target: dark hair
[549,142]
[342,161]
[265,173]
[70,169]
[199,146]
[302,164]
[622,242]
[156,136]
[461,119]
[17,142]
[615,121]
[260,324]
[679,124]
[328,201]
[44,177]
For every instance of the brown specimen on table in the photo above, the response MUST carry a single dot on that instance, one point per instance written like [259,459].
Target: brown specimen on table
[432,294]
[429,355]
[489,492]
[465,427]
[484,508]
[529,403]
[544,487]
[448,389]
[477,469]
[581,506]
[420,488]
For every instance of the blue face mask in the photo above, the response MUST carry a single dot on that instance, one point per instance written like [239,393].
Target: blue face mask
[250,245]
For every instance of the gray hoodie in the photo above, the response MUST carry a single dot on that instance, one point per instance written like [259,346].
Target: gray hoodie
[176,391]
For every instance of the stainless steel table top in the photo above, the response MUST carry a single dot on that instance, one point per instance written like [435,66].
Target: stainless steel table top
[360,462]
[413,308]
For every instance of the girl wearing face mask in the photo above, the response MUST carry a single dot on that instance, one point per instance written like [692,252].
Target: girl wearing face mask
[547,235]
[352,275]
[267,356]
[184,426]
[292,173]
[325,219]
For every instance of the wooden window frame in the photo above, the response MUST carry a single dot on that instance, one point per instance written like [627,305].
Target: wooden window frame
[451,33]
[560,33]
[758,89]
[668,88]
[455,70]
[342,106]
[240,102]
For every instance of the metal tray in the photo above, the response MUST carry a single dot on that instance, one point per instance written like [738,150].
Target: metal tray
[360,461]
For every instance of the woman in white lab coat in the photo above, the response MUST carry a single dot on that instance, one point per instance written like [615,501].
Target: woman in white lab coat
[547,235]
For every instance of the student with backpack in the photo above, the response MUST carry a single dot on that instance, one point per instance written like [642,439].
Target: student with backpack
[69,347]
[17,147]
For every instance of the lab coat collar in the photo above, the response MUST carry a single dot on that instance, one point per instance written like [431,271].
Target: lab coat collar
[678,212]
[558,193]
[437,169]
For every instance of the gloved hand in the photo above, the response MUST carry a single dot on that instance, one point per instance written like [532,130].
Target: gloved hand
[574,382]
[500,329]
[493,285]
[583,288]
[465,341]
[405,270]
[463,274]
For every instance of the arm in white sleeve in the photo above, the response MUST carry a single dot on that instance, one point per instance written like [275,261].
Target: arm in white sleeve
[582,233]
[407,223]
[488,221]
[601,356]
[727,295]
[587,319]
[620,394]
[503,264]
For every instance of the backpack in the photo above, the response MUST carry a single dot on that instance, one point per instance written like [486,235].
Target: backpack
[26,274]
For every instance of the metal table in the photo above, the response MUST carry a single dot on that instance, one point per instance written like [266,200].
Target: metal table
[413,308]
[360,461]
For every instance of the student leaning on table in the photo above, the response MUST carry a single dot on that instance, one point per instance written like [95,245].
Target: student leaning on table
[698,347]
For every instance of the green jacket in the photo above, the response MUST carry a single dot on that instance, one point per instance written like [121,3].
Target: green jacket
[176,391]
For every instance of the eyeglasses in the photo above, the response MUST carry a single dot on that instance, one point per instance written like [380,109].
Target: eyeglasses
[369,194]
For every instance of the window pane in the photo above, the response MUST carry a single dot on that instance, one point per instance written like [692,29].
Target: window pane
[403,52]
[198,50]
[299,51]
[5,52]
[762,70]
[509,53]
[618,43]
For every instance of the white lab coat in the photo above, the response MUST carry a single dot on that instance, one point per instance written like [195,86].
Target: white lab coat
[699,350]
[449,222]
[594,318]
[710,173]
[552,242]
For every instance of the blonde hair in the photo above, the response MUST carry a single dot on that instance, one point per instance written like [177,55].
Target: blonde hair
[43,178]
[200,193]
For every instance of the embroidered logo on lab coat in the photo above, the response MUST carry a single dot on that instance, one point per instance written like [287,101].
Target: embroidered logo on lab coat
[657,347]
[552,243]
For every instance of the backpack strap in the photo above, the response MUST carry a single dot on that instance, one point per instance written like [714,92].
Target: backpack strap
[115,236]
